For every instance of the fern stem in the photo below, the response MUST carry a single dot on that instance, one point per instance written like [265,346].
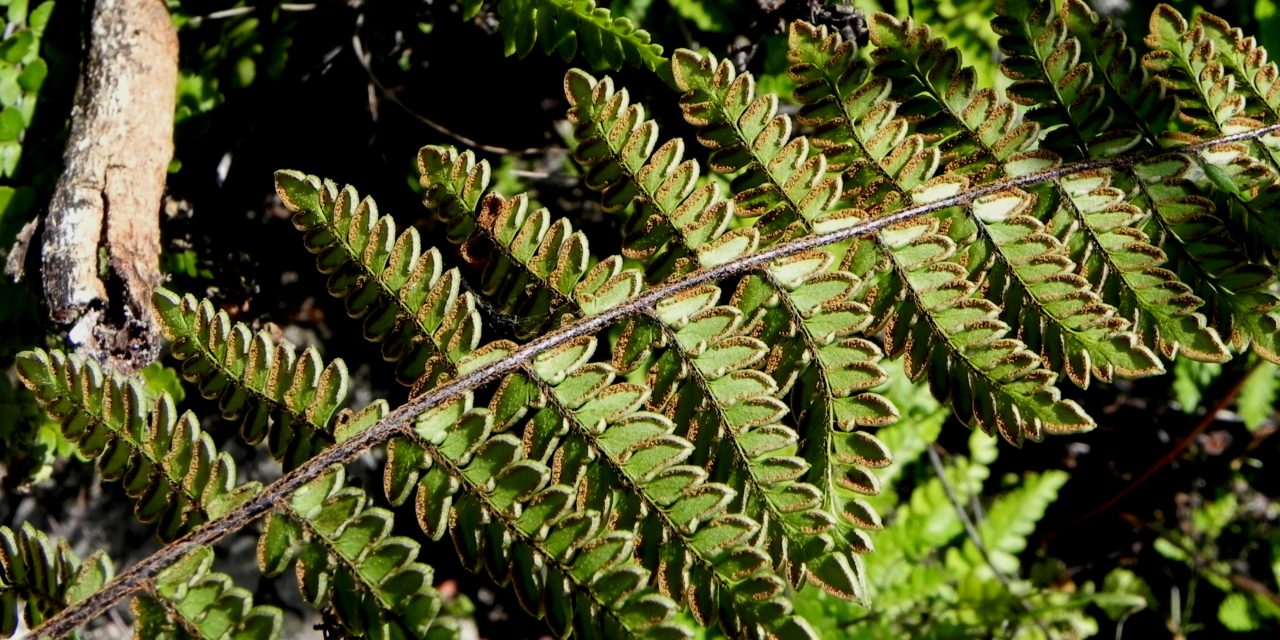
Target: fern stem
[1210,415]
[976,538]
[400,420]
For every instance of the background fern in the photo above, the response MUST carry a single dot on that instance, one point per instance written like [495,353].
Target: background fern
[714,457]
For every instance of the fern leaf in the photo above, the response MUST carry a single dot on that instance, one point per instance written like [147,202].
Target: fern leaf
[679,218]
[1011,518]
[1066,91]
[402,292]
[162,459]
[703,377]
[508,515]
[319,207]
[184,483]
[1128,265]
[1051,308]
[525,239]
[1163,322]
[1240,293]
[813,316]
[190,600]
[1211,101]
[783,182]
[278,396]
[522,237]
[40,577]
[569,27]
[1140,103]
[346,560]
[925,299]
[537,270]
[1049,63]
[689,537]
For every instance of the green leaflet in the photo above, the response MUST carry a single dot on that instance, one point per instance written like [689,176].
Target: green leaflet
[30,564]
[699,535]
[513,520]
[197,602]
[551,257]
[1220,91]
[540,271]
[401,291]
[203,601]
[278,396]
[1238,293]
[162,459]
[784,183]
[569,27]
[346,559]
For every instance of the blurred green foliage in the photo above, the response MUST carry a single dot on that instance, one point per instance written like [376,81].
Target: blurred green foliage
[930,577]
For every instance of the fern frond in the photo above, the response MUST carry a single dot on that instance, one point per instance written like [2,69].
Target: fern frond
[407,456]
[703,377]
[1011,518]
[278,396]
[536,269]
[1120,257]
[924,298]
[629,463]
[569,27]
[39,578]
[509,515]
[804,310]
[784,183]
[1241,294]
[187,600]
[1127,267]
[172,467]
[680,222]
[190,600]
[525,237]
[1065,84]
[1051,308]
[1211,101]
[1164,320]
[403,292]
[162,459]
[346,560]
[940,96]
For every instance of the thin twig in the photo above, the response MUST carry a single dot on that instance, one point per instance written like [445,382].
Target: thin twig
[358,46]
[1200,563]
[976,538]
[402,418]
[1185,441]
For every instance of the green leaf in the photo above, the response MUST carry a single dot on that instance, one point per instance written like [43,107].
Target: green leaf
[1236,615]
[1258,394]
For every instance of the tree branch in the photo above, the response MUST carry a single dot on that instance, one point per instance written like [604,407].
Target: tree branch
[108,196]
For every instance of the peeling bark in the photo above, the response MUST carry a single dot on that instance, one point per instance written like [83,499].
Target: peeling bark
[107,201]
